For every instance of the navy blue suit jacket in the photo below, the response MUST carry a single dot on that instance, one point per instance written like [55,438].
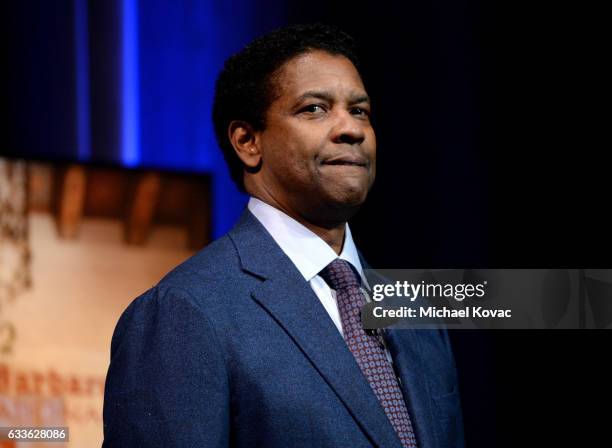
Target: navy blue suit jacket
[233,348]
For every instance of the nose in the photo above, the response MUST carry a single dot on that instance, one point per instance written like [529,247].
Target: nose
[347,129]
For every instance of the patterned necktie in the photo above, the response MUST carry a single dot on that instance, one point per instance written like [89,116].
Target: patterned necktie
[368,353]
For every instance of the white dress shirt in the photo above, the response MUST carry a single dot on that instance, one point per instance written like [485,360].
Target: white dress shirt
[293,238]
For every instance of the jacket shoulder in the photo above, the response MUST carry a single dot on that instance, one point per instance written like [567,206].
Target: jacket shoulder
[213,264]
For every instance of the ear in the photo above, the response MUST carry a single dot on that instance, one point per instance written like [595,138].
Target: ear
[245,142]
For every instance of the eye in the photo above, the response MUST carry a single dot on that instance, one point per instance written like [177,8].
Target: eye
[313,109]
[360,111]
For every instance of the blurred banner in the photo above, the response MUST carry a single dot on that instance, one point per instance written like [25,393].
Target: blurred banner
[66,274]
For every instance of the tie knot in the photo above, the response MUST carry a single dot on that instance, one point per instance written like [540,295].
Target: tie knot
[340,274]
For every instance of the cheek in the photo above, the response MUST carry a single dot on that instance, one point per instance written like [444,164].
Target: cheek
[297,156]
[372,143]
[291,153]
[289,164]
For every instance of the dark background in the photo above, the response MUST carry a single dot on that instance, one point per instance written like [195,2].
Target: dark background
[491,154]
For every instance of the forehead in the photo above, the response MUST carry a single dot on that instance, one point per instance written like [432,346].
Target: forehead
[318,70]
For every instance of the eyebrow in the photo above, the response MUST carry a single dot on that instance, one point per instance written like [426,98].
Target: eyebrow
[327,96]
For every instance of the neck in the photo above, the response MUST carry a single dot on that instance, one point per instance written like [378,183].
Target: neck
[334,237]
[330,232]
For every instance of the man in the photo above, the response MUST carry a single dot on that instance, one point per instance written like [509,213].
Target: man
[256,340]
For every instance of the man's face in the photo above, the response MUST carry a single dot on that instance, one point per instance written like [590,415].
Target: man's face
[318,146]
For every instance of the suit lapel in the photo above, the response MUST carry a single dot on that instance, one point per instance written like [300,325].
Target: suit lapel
[291,302]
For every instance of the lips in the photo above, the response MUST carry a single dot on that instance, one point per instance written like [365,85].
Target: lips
[349,160]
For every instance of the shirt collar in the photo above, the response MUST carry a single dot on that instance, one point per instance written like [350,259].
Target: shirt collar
[293,237]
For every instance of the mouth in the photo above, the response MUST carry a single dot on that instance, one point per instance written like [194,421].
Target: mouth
[347,161]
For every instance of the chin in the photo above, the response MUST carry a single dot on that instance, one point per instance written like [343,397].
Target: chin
[343,206]
[330,206]
[351,196]
[352,200]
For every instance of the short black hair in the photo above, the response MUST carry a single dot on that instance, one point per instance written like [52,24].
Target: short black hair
[245,87]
